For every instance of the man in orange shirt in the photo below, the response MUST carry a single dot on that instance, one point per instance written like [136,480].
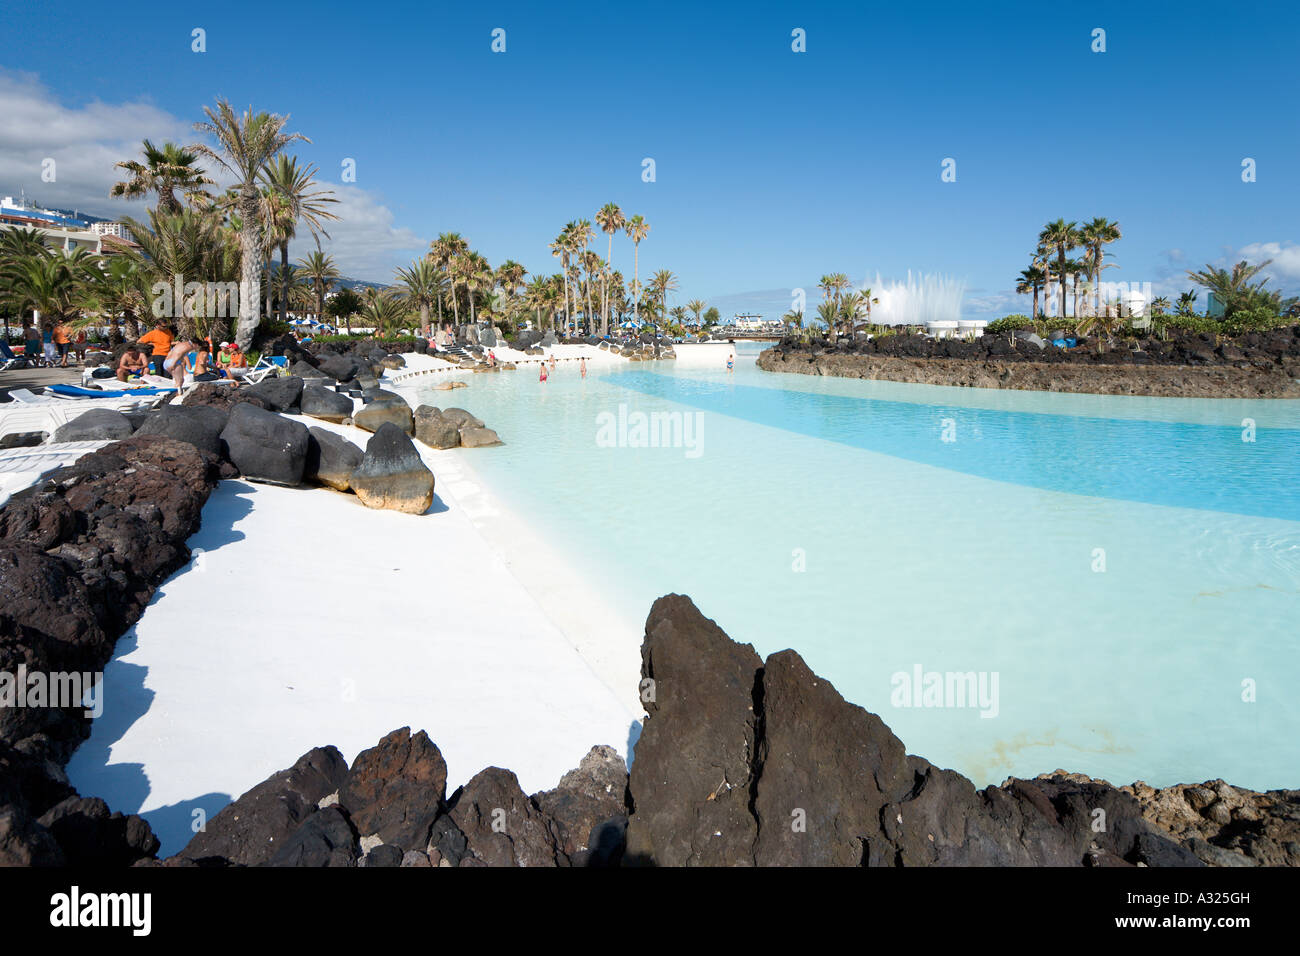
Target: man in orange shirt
[62,339]
[160,341]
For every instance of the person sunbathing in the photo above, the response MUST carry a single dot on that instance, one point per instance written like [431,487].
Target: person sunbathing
[132,364]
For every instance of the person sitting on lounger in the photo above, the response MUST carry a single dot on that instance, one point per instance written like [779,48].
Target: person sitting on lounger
[132,364]
[174,363]
[232,360]
[202,371]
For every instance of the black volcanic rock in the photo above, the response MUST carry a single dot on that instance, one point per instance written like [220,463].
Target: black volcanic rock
[396,789]
[690,782]
[501,824]
[258,825]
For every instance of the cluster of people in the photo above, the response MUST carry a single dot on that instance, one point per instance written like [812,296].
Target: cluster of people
[51,345]
[169,357]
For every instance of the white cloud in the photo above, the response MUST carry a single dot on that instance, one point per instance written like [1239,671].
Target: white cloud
[85,141]
[1284,270]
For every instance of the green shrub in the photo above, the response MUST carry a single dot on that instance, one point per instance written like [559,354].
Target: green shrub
[1011,323]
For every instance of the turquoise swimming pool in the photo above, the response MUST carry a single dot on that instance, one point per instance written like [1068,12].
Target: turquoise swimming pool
[1124,572]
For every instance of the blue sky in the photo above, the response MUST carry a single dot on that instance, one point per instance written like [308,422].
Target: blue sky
[772,167]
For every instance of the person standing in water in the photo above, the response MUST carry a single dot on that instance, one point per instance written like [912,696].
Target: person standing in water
[543,375]
[731,363]
[582,364]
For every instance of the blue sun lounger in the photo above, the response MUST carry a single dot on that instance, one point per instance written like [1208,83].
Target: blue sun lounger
[76,391]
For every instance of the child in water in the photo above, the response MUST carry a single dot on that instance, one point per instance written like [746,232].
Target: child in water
[543,375]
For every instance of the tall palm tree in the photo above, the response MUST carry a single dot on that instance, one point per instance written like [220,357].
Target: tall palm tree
[1061,236]
[697,306]
[478,275]
[1186,302]
[1096,235]
[162,173]
[637,229]
[444,251]
[1030,279]
[611,220]
[560,248]
[321,273]
[582,236]
[296,198]
[423,282]
[664,282]
[245,145]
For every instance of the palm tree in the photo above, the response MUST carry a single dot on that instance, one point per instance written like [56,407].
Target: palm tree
[1096,235]
[478,275]
[122,290]
[664,282]
[829,313]
[384,311]
[295,197]
[1186,302]
[192,246]
[424,283]
[560,248]
[444,251]
[696,306]
[245,145]
[1030,279]
[1062,236]
[320,272]
[162,173]
[52,284]
[637,229]
[1235,290]
[582,236]
[1159,305]
[610,219]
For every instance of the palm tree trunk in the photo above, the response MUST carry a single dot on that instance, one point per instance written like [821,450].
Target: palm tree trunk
[636,280]
[249,262]
[284,281]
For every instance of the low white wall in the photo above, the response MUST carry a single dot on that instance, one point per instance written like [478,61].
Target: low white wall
[704,354]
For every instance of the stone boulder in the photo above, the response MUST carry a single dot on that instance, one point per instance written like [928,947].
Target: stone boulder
[690,781]
[501,825]
[331,459]
[587,806]
[471,437]
[385,408]
[393,362]
[325,839]
[250,831]
[462,418]
[326,404]
[197,425]
[265,446]
[339,367]
[396,789]
[92,836]
[280,394]
[96,424]
[391,474]
[222,397]
[435,430]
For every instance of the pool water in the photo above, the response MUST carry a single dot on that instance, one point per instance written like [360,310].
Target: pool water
[1125,572]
